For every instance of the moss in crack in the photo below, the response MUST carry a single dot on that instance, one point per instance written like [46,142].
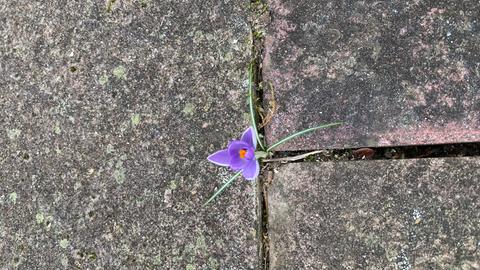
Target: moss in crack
[110,4]
[90,255]
[259,21]
[143,3]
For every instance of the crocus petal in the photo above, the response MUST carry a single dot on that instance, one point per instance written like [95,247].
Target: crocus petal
[221,158]
[237,163]
[251,171]
[249,137]
[235,146]
[250,153]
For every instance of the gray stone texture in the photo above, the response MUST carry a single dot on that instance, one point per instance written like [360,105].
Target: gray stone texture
[108,112]
[403,214]
[397,72]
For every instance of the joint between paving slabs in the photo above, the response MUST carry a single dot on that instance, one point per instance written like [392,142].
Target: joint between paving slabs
[259,12]
[264,182]
[378,153]
[267,175]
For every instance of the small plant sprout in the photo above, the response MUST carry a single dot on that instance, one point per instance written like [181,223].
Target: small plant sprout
[241,155]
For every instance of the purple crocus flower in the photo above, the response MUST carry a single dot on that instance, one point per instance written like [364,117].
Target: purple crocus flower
[240,155]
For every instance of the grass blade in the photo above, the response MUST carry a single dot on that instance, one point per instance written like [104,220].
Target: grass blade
[288,138]
[251,104]
[220,190]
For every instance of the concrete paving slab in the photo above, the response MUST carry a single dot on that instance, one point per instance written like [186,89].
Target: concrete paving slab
[397,72]
[402,214]
[108,112]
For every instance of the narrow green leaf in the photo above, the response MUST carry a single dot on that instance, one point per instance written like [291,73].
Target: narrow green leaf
[251,104]
[260,154]
[220,190]
[288,138]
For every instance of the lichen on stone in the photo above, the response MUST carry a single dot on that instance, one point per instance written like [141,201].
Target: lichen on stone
[120,73]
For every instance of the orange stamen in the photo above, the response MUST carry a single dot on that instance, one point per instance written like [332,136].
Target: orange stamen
[242,153]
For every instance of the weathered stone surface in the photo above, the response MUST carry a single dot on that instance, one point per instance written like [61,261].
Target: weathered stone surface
[405,214]
[109,110]
[397,72]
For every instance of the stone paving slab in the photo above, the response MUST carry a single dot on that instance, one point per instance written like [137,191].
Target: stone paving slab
[402,214]
[397,72]
[108,112]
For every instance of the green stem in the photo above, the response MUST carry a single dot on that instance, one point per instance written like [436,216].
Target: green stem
[220,190]
[284,140]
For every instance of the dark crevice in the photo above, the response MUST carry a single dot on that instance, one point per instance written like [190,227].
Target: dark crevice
[259,13]
[261,184]
[383,153]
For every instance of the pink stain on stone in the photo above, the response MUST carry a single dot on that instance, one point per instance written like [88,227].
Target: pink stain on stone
[447,100]
[283,79]
[282,28]
[434,11]
[331,73]
[278,7]
[311,71]
[269,45]
[419,48]
[427,20]
[459,73]
[426,133]
[293,57]
[433,87]
[407,82]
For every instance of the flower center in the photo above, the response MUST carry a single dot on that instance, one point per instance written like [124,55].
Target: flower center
[242,153]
